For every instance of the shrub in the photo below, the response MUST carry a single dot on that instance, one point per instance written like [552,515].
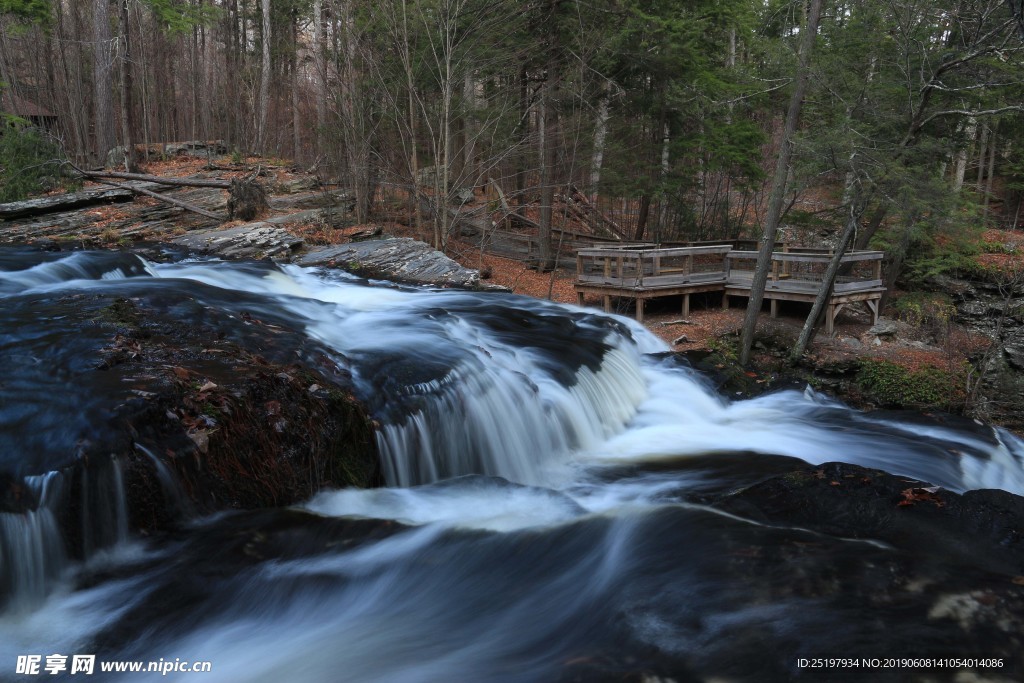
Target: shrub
[29,163]
[926,310]
[896,386]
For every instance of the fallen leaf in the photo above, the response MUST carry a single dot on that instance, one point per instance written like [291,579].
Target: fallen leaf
[201,439]
[209,386]
[921,495]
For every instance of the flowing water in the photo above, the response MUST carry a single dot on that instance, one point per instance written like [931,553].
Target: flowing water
[544,518]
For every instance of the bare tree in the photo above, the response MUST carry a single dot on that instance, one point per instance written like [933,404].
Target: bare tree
[771,224]
[127,113]
[103,64]
[264,95]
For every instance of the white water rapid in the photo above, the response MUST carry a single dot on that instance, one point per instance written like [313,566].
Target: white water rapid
[544,465]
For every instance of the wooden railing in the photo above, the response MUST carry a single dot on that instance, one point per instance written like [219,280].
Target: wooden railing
[639,272]
[628,266]
[803,271]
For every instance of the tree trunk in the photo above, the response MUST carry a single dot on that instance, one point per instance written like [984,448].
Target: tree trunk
[764,257]
[321,72]
[127,115]
[549,146]
[296,119]
[103,64]
[232,61]
[1017,10]
[176,182]
[247,200]
[663,207]
[600,133]
[991,172]
[264,96]
[413,124]
[982,152]
[960,169]
[896,259]
[470,131]
[864,238]
[524,126]
[641,219]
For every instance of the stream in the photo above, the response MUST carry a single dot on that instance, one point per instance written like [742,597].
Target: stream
[553,508]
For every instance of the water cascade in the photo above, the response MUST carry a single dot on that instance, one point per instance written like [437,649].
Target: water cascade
[553,508]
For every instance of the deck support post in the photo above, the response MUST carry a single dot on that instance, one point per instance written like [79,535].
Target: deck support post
[686,305]
[639,310]
[775,308]
[873,307]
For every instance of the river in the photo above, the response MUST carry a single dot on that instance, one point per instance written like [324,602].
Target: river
[549,513]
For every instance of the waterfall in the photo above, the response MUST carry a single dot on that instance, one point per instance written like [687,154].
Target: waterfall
[32,552]
[516,424]
[556,508]
[34,545]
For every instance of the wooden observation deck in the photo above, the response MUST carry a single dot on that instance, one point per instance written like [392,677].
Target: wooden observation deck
[642,272]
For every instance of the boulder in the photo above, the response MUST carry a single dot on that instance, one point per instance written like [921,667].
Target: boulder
[261,239]
[398,259]
[884,328]
[1014,356]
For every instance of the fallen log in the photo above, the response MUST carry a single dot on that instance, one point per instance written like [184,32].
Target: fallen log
[510,213]
[469,222]
[155,195]
[501,195]
[160,180]
[62,202]
[164,198]
[605,223]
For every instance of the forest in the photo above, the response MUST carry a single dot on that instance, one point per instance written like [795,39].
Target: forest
[667,115]
[289,440]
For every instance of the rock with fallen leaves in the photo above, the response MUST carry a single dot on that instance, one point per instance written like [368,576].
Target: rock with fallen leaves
[398,259]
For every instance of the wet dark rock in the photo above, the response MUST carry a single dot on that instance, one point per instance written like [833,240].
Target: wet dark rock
[983,528]
[942,571]
[46,244]
[15,496]
[163,383]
